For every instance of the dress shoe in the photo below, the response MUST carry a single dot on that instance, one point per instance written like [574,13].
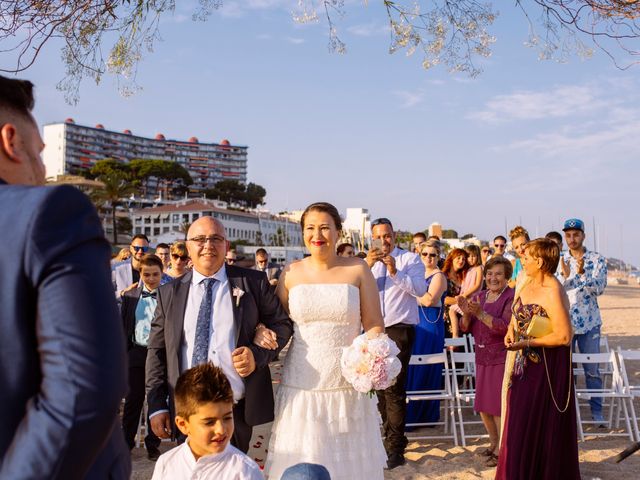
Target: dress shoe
[153,453]
[395,460]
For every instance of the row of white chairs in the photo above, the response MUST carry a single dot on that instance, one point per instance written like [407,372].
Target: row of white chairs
[457,393]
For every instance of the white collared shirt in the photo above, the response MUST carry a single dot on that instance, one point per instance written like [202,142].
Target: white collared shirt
[398,292]
[180,464]
[222,329]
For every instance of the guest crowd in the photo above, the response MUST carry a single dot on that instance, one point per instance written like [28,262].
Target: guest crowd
[199,333]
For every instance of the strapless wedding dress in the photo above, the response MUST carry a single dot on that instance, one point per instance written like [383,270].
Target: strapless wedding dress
[319,417]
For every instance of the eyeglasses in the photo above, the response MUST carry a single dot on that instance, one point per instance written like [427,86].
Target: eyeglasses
[380,221]
[137,248]
[499,245]
[175,256]
[484,250]
[201,240]
[430,255]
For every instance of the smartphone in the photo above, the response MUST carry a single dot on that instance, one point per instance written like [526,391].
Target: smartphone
[376,243]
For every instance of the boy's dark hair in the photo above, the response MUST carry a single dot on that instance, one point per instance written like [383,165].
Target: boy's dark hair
[162,245]
[141,236]
[201,384]
[554,236]
[151,260]
[261,251]
[342,247]
[500,237]
[15,95]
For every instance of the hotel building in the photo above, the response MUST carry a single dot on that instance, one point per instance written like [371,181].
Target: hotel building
[71,149]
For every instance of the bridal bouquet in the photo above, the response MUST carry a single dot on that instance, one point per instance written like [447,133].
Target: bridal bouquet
[371,363]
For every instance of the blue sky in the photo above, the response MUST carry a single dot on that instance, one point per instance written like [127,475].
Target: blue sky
[527,141]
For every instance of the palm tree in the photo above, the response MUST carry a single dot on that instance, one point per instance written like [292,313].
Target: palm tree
[116,187]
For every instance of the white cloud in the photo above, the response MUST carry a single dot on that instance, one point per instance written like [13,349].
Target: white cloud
[562,101]
[409,99]
[294,40]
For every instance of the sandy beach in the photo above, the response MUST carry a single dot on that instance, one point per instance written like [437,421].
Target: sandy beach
[441,459]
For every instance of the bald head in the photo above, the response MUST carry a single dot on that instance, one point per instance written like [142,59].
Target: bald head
[207,245]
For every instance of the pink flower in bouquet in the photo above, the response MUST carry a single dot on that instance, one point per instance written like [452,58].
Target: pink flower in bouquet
[370,364]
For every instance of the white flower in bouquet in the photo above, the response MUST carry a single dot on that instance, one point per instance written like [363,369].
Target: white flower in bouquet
[371,363]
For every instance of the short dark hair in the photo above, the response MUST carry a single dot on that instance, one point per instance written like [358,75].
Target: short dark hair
[162,245]
[16,95]
[141,236]
[341,248]
[420,235]
[261,251]
[204,383]
[557,236]
[326,208]
[151,260]
[499,260]
[500,237]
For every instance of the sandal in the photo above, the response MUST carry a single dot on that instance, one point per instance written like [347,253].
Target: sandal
[487,452]
[492,461]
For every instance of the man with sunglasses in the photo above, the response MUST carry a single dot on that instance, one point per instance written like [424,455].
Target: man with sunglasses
[400,278]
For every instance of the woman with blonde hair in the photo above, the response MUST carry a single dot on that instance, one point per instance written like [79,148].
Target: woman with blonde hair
[519,238]
[429,336]
[539,437]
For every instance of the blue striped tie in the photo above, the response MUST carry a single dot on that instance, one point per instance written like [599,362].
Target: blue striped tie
[203,326]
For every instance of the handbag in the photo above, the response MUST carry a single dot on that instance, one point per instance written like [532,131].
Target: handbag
[539,326]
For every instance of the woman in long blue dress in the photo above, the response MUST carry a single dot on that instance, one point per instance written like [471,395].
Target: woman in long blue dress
[429,337]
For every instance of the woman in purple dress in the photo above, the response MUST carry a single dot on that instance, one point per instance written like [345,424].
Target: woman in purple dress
[539,438]
[487,316]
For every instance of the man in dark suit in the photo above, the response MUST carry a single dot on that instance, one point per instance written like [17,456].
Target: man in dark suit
[62,363]
[272,270]
[210,314]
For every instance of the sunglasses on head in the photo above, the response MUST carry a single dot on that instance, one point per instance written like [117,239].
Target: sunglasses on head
[380,221]
[175,256]
[137,248]
[430,255]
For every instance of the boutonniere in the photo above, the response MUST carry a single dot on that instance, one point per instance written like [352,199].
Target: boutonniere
[238,293]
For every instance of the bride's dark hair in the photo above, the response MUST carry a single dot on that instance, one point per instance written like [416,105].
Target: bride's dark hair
[326,208]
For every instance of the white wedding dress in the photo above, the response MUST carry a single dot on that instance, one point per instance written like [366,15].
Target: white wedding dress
[319,417]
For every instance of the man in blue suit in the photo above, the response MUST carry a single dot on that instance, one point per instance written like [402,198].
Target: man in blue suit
[62,361]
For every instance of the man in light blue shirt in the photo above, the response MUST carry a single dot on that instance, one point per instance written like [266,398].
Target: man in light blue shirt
[400,278]
[584,276]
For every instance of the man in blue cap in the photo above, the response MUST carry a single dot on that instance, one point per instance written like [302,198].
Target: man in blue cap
[584,276]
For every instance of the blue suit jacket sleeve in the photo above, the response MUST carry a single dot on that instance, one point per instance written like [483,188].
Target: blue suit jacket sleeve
[79,343]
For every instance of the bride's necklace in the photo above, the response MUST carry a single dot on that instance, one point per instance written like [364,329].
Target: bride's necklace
[486,297]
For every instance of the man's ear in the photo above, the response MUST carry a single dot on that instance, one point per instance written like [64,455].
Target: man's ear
[9,142]
[182,424]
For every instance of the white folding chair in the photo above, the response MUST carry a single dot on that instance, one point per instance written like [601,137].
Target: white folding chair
[465,373]
[465,394]
[444,395]
[615,393]
[605,374]
[632,389]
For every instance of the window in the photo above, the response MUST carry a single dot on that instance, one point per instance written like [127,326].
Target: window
[165,229]
[194,217]
[176,218]
[156,231]
[147,231]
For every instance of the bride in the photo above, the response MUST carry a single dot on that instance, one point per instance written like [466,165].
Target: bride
[319,417]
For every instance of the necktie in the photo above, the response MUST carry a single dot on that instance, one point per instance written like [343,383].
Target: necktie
[148,294]
[203,325]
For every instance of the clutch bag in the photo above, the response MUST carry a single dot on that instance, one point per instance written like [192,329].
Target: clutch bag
[539,326]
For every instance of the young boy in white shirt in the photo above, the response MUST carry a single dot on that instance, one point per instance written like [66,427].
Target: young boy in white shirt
[204,413]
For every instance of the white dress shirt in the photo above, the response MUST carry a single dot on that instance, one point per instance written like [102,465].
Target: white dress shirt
[398,292]
[222,329]
[180,464]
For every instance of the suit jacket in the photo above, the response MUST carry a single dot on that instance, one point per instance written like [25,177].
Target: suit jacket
[62,362]
[128,311]
[258,304]
[272,271]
